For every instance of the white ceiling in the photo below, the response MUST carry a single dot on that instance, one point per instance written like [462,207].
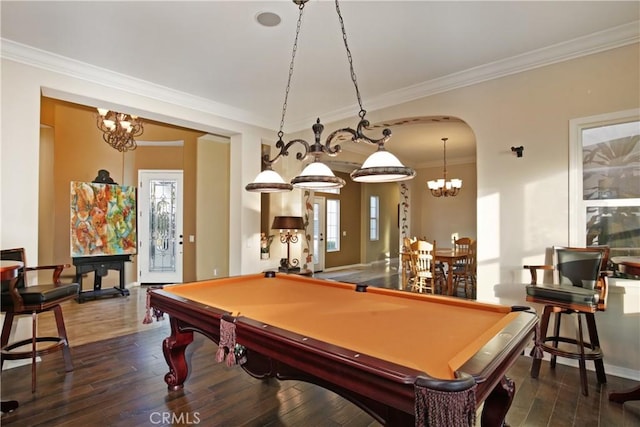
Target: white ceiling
[216,52]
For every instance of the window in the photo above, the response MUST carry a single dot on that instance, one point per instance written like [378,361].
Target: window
[374,217]
[605,182]
[333,225]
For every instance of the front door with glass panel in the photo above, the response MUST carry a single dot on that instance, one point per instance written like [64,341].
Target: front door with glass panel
[160,226]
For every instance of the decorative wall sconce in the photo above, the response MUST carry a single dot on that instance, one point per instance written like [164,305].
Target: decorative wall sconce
[381,166]
[289,227]
[518,150]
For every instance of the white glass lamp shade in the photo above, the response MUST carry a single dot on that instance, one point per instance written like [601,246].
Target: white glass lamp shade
[317,175]
[382,166]
[268,181]
[456,183]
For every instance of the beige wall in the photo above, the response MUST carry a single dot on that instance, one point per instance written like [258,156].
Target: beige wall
[522,203]
[212,218]
[387,245]
[79,152]
[437,218]
[350,224]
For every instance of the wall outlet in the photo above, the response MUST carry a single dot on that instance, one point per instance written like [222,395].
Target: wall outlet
[215,272]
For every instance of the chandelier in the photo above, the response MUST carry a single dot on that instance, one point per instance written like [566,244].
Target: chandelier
[381,166]
[119,129]
[442,187]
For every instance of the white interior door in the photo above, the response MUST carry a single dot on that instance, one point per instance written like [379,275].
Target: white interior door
[319,231]
[160,226]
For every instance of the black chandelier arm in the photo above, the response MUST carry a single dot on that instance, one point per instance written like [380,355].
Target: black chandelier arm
[357,135]
[364,124]
[284,151]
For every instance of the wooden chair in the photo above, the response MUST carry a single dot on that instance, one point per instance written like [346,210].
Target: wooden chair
[406,263]
[463,243]
[580,288]
[464,272]
[19,299]
[424,270]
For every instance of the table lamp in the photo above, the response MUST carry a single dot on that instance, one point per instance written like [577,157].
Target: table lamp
[289,227]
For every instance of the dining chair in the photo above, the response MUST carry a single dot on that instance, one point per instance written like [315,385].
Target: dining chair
[462,244]
[579,288]
[464,272]
[406,263]
[19,299]
[423,259]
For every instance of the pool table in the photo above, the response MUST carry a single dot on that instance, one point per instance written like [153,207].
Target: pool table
[404,358]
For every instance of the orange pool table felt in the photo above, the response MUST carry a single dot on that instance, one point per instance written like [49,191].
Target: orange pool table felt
[430,333]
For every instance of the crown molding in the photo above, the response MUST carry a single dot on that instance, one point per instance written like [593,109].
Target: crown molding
[176,143]
[45,60]
[594,43]
[601,41]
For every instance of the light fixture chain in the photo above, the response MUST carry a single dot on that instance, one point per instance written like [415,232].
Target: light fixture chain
[293,57]
[445,157]
[350,58]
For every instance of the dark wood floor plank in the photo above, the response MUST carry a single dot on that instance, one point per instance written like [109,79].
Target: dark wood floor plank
[120,382]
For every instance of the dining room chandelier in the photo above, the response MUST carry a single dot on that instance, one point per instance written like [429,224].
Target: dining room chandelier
[441,187]
[381,166]
[119,130]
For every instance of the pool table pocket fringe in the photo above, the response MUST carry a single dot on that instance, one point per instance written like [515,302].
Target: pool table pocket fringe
[227,344]
[159,315]
[436,408]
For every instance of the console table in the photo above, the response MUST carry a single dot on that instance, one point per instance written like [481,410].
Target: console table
[100,265]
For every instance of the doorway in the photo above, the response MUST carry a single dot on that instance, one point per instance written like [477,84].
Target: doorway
[160,238]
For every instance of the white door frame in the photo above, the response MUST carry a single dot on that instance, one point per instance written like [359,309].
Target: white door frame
[172,272]
[319,232]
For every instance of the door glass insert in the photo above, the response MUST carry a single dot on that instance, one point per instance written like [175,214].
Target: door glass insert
[162,226]
[316,232]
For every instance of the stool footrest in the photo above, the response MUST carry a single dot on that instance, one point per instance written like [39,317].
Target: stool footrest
[57,344]
[591,352]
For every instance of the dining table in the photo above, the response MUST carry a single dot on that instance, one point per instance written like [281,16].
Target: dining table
[450,256]
[9,271]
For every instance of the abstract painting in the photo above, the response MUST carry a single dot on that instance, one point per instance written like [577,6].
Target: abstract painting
[103,219]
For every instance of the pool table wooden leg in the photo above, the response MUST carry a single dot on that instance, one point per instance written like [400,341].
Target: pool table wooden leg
[173,348]
[498,403]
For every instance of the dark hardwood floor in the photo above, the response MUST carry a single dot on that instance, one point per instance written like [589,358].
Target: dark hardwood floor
[118,381]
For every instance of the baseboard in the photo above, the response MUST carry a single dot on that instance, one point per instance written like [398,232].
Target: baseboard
[344,267]
[10,364]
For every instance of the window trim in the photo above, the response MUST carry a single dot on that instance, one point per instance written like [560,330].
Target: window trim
[374,218]
[337,202]
[577,206]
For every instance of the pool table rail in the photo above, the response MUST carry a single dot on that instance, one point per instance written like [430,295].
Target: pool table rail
[383,389]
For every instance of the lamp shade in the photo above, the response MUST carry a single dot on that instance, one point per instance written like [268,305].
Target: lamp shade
[268,181]
[317,175]
[382,166]
[287,223]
